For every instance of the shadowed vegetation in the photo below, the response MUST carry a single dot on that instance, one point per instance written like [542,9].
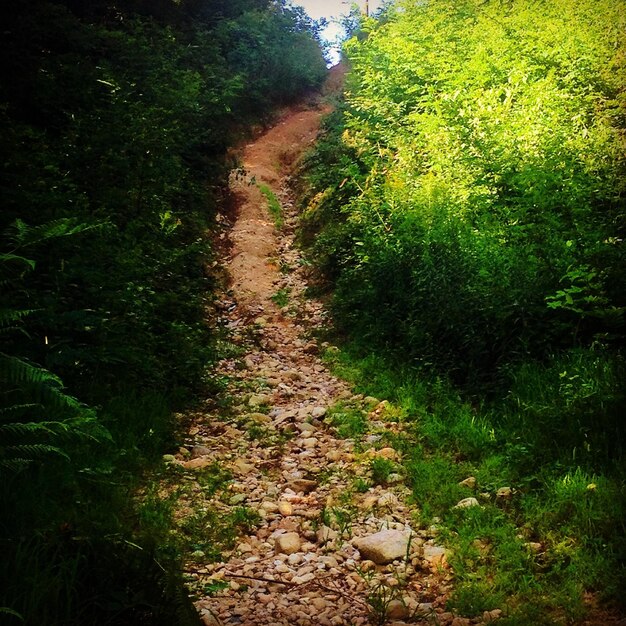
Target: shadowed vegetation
[115,122]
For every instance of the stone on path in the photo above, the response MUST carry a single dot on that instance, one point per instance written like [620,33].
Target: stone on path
[302,485]
[288,543]
[435,555]
[285,508]
[259,399]
[198,451]
[396,609]
[326,534]
[384,546]
[242,468]
[199,463]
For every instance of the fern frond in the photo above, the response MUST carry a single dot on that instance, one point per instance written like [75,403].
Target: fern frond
[7,611]
[27,428]
[31,451]
[10,316]
[84,427]
[7,330]
[22,234]
[14,466]
[19,372]
[8,257]
[16,409]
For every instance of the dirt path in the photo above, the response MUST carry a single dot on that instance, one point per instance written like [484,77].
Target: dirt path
[324,537]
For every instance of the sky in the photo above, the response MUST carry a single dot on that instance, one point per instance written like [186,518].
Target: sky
[331,10]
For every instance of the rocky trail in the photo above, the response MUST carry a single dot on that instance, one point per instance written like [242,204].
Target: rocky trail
[320,538]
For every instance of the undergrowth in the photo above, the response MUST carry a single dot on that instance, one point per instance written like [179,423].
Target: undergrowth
[561,531]
[273,206]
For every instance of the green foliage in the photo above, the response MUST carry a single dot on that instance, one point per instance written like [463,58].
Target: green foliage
[281,297]
[467,201]
[273,205]
[380,469]
[115,125]
[350,422]
[465,205]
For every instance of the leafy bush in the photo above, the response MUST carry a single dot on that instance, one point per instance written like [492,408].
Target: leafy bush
[473,214]
[115,124]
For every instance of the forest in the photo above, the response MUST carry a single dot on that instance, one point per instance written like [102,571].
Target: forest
[466,207]
[116,123]
[463,214]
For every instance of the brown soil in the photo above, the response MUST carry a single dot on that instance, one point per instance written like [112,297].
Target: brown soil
[266,161]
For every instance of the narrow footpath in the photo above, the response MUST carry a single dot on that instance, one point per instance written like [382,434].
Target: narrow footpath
[324,541]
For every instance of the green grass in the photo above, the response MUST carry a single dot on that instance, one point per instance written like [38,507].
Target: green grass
[281,297]
[570,503]
[350,422]
[380,469]
[273,205]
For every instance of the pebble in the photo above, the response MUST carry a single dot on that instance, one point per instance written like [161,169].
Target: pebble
[269,507]
[396,609]
[198,463]
[387,453]
[242,468]
[259,399]
[466,503]
[504,493]
[288,543]
[325,534]
[492,616]
[197,451]
[302,485]
[285,508]
[434,554]
[334,455]
[370,502]
[469,482]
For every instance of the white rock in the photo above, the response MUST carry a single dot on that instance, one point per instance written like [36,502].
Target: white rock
[325,534]
[469,482]
[388,499]
[334,455]
[242,468]
[435,554]
[269,507]
[466,503]
[504,493]
[384,546]
[300,580]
